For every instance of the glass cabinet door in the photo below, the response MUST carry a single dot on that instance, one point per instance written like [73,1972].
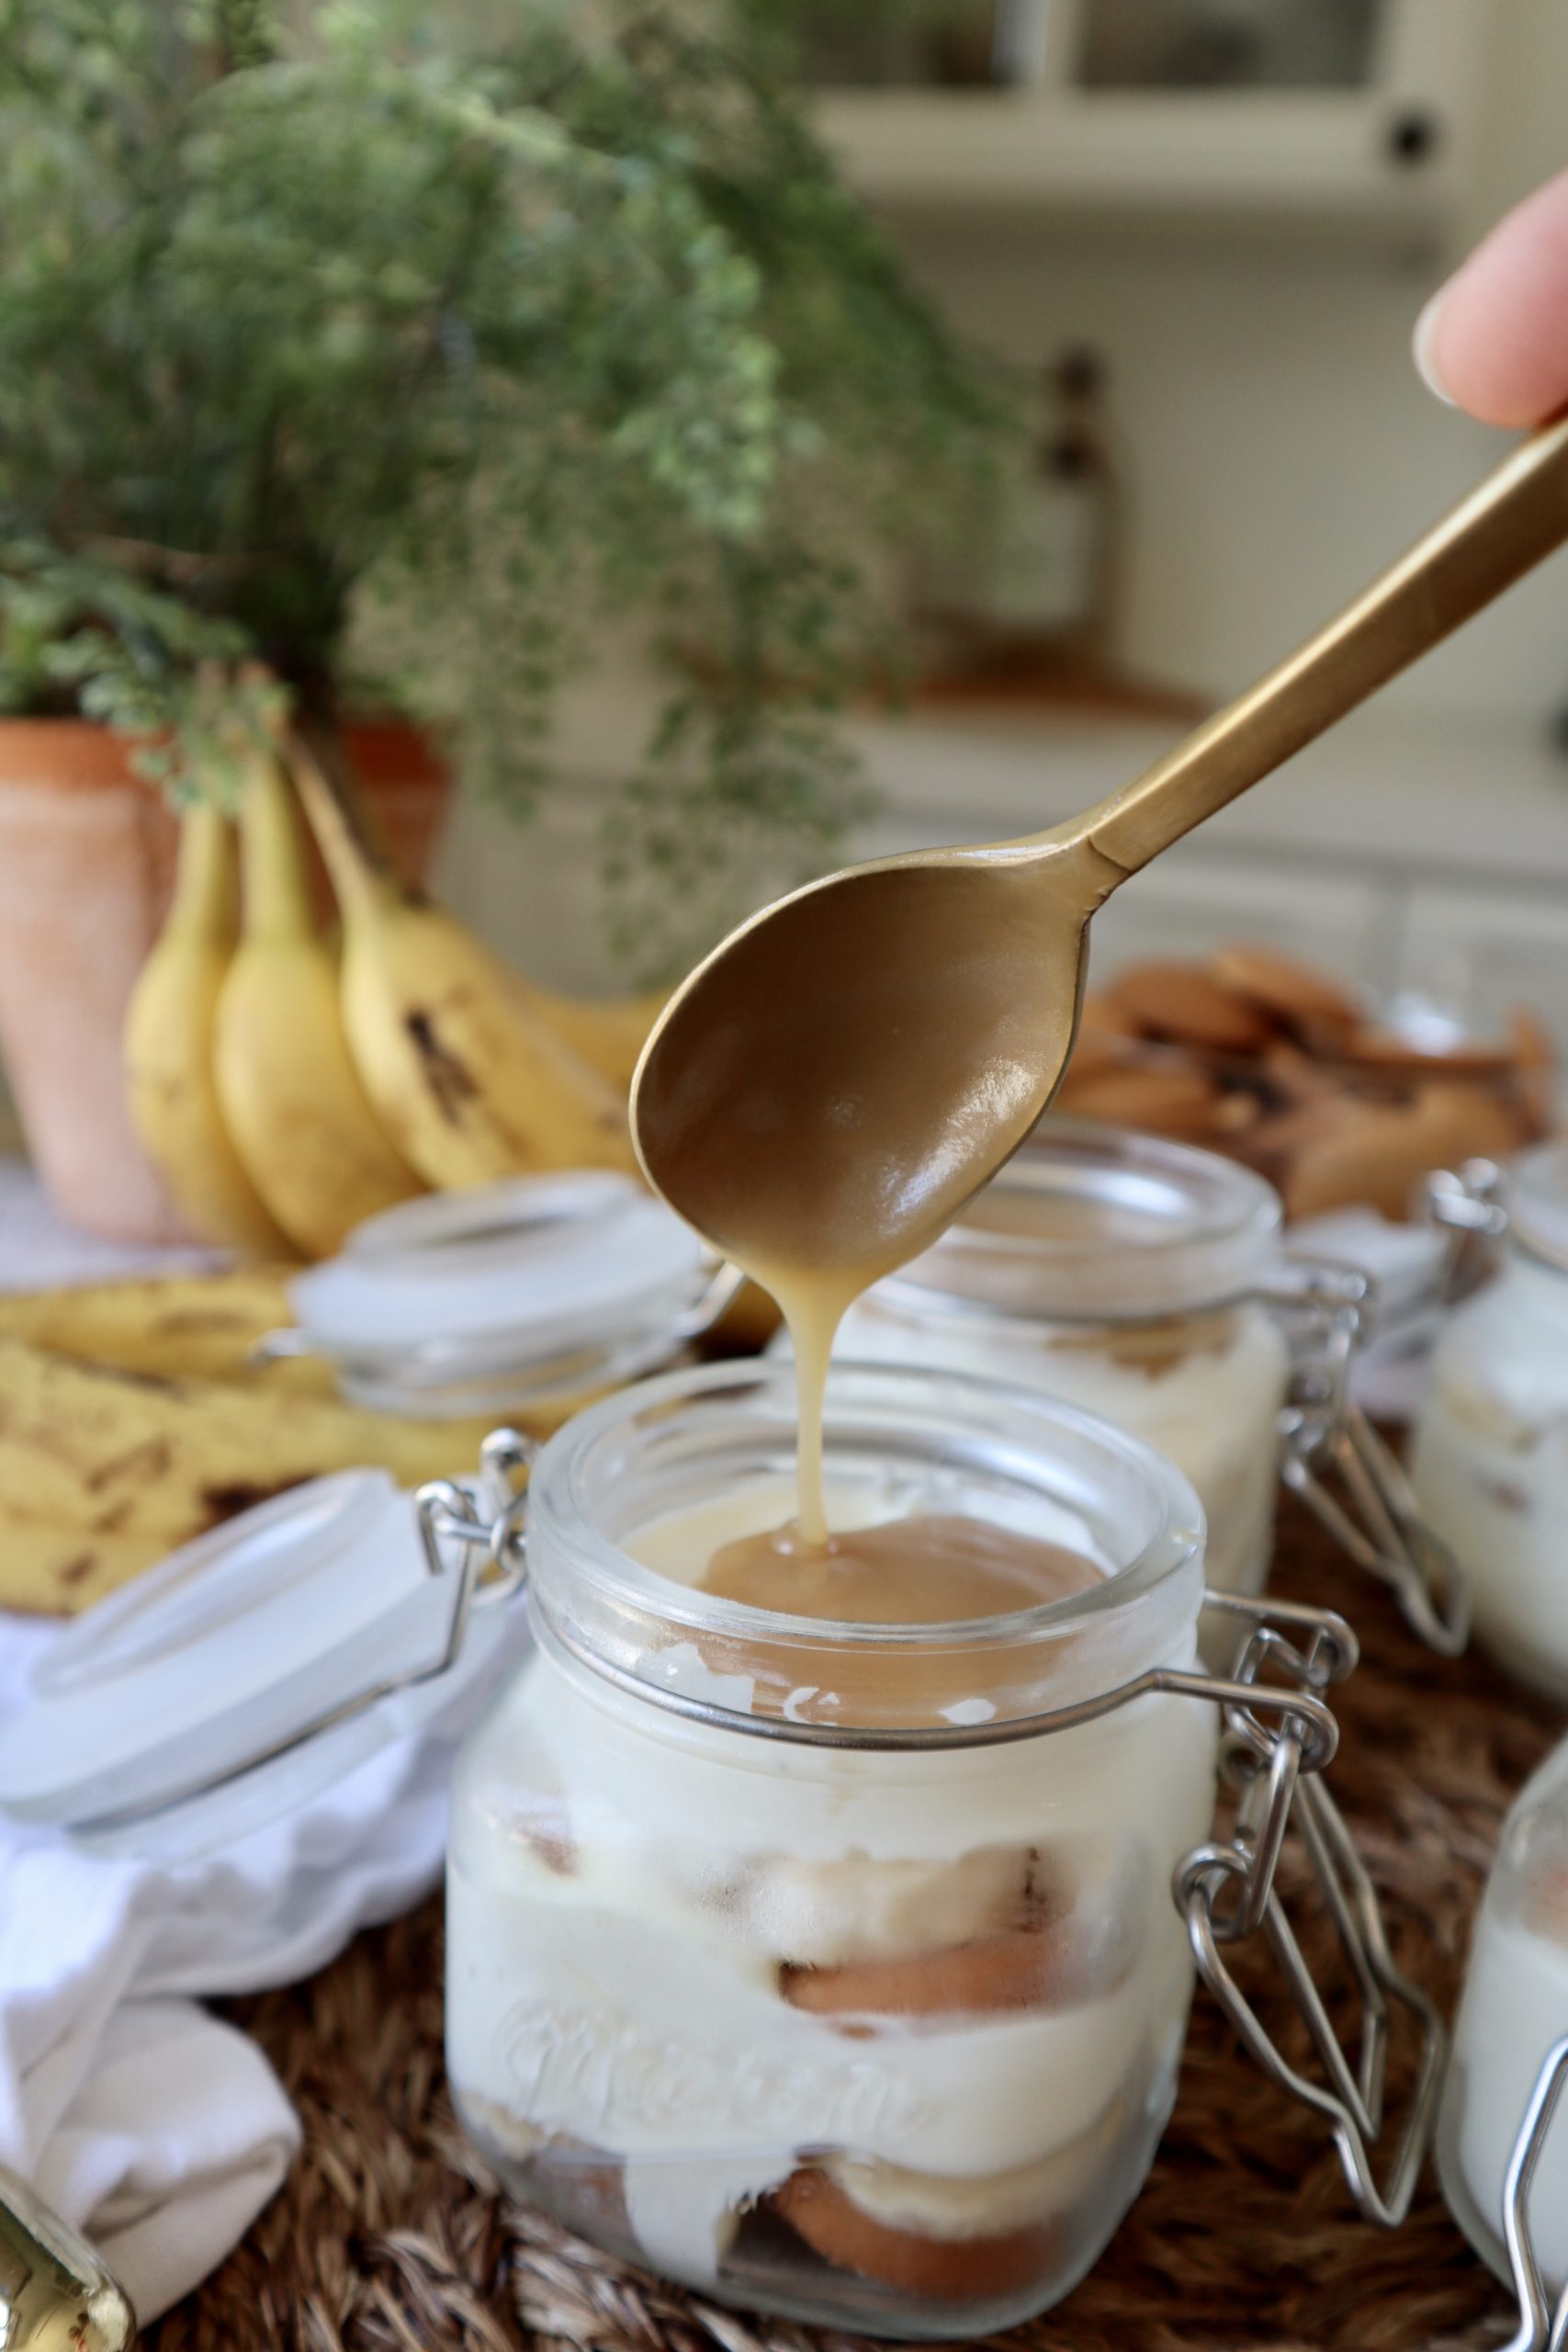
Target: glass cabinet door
[1228,44]
[961,44]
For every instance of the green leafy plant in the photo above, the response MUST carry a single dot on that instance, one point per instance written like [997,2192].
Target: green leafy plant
[371,351]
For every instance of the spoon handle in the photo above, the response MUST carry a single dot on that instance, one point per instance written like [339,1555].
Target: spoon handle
[1515,517]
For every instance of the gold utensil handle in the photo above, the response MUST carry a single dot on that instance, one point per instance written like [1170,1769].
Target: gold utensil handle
[55,2294]
[1515,517]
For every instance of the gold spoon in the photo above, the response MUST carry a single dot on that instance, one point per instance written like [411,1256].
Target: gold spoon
[826,1090]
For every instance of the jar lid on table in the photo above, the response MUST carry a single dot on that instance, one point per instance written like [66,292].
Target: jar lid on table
[263,1662]
[516,1294]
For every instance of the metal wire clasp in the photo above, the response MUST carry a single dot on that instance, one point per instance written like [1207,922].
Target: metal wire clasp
[1540,2328]
[1369,1509]
[1227,1892]
[1467,1201]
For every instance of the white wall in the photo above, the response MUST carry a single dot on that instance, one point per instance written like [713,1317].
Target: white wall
[1283,446]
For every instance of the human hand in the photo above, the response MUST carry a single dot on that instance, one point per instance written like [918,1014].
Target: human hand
[1493,340]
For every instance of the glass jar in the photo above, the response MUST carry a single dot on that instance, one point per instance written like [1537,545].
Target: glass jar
[833,1969]
[1121,1272]
[1490,1460]
[1143,1280]
[1512,2013]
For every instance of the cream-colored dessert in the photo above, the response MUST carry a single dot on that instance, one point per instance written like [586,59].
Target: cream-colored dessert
[1489,1465]
[914,2014]
[1514,2009]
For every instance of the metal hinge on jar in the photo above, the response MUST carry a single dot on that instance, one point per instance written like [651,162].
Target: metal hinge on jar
[1334,1459]
[1467,1201]
[1226,1894]
[1542,2327]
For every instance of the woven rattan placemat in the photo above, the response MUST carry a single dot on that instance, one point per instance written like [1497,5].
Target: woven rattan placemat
[1245,2235]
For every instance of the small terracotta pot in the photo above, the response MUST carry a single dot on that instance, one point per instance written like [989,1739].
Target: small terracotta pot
[87,866]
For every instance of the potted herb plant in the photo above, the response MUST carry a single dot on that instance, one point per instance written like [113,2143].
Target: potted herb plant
[355,358]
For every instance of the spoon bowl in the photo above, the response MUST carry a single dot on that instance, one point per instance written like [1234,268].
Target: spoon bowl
[823,1089]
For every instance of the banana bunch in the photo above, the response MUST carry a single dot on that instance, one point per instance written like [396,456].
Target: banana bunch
[467,1073]
[169,1031]
[286,1091]
[291,1100]
[104,1471]
[179,1327]
[132,1418]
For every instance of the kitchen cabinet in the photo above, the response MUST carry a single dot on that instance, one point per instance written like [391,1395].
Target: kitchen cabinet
[1330,112]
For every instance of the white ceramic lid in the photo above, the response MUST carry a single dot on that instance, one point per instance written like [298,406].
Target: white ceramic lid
[149,1703]
[551,1262]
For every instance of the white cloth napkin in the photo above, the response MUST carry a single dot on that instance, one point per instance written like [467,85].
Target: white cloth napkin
[153,2128]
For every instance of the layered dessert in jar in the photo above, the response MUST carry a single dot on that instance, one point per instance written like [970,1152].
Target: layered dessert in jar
[1490,1458]
[810,1934]
[1121,1272]
[1513,2009]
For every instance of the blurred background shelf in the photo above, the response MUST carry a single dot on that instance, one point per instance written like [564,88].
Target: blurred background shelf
[1358,115]
[1411,849]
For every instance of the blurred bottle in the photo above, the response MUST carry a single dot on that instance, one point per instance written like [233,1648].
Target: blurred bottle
[1054,553]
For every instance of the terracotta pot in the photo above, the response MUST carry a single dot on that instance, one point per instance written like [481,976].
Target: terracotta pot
[86,866]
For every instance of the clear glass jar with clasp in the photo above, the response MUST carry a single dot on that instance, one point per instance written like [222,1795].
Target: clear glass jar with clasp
[1513,2013]
[1490,1458]
[1145,1280]
[833,1969]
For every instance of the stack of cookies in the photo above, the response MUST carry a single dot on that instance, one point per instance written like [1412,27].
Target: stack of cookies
[1279,1065]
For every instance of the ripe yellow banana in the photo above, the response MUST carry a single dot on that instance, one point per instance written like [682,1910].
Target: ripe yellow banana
[48,1570]
[609,1035]
[466,1077]
[118,1453]
[299,1116]
[168,1050]
[193,1326]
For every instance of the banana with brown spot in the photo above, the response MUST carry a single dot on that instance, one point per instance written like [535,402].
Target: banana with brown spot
[465,1076]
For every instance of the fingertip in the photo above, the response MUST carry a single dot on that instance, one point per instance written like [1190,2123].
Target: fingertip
[1493,340]
[1424,344]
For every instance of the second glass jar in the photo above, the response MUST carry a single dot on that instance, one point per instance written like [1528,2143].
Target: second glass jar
[1122,1273]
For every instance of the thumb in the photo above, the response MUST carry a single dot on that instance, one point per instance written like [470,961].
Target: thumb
[1493,340]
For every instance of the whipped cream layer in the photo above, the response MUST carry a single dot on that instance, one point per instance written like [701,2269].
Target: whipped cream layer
[645,1913]
[1489,1465]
